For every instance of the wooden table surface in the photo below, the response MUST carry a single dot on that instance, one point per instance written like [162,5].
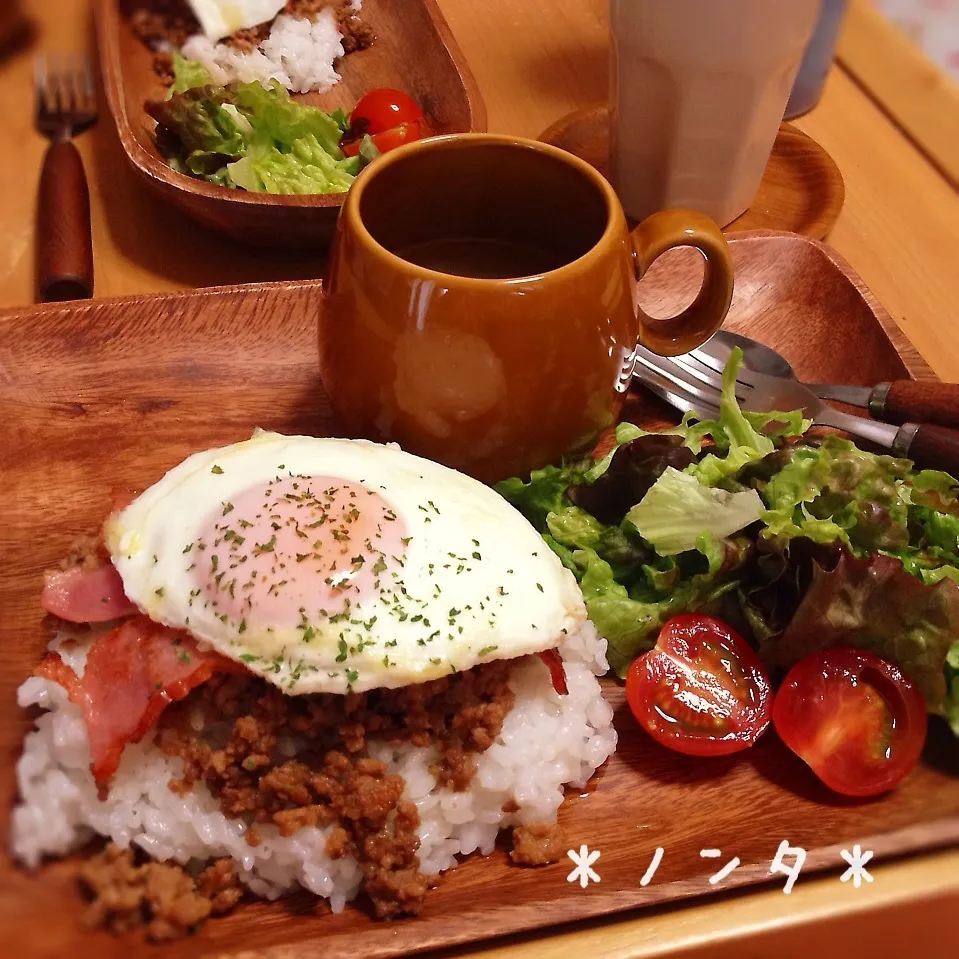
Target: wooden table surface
[536,60]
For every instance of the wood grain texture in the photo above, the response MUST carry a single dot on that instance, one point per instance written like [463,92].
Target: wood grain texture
[436,77]
[110,394]
[908,401]
[64,244]
[912,89]
[801,190]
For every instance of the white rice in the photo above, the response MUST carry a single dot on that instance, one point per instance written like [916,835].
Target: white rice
[299,53]
[547,740]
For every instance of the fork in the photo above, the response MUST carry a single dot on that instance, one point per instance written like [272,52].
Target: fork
[898,401]
[65,106]
[696,378]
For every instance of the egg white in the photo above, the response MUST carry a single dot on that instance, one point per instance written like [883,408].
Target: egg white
[503,594]
[220,18]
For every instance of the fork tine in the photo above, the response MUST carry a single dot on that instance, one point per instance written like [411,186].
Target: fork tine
[668,368]
[40,83]
[745,380]
[714,355]
[702,372]
[57,81]
[69,82]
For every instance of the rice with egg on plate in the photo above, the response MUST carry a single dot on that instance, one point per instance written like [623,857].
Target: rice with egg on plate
[307,662]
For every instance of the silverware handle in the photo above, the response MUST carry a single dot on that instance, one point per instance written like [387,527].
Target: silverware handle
[917,401]
[64,243]
[881,434]
[931,447]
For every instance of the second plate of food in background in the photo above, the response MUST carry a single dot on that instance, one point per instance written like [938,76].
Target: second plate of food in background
[436,78]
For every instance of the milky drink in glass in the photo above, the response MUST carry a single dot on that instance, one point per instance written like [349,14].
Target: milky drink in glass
[697,95]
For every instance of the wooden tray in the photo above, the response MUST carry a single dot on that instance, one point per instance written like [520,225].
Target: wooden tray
[112,393]
[801,191]
[414,52]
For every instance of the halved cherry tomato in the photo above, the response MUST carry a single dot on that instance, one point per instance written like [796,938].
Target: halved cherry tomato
[702,690]
[384,109]
[853,717]
[388,139]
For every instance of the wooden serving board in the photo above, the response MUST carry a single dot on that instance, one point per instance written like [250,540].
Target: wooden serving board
[414,51]
[110,394]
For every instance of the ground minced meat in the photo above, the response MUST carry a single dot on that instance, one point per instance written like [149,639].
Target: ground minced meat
[537,844]
[87,552]
[163,898]
[331,781]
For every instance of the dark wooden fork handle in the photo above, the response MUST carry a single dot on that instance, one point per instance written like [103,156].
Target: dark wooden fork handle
[930,447]
[918,401]
[64,245]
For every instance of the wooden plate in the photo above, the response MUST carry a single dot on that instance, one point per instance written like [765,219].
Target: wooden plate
[414,52]
[802,189]
[112,393]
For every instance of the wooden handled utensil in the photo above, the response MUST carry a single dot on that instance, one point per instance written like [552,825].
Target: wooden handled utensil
[65,106]
[902,401]
[695,379]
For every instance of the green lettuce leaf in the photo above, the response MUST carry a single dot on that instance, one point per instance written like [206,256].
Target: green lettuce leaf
[629,625]
[199,121]
[678,509]
[733,433]
[275,114]
[635,466]
[253,137]
[631,560]
[838,492]
[542,494]
[874,603]
[187,74]
[306,168]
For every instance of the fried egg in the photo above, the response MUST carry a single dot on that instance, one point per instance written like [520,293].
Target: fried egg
[333,565]
[220,18]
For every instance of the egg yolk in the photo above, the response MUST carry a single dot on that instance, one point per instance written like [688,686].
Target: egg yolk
[295,548]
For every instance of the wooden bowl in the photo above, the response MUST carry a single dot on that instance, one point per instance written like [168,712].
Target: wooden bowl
[108,394]
[414,52]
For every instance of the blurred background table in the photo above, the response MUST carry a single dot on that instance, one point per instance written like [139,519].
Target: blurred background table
[536,60]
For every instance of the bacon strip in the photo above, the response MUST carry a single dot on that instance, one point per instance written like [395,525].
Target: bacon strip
[81,595]
[132,673]
[557,673]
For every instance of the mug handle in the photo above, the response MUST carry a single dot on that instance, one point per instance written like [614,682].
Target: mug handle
[661,232]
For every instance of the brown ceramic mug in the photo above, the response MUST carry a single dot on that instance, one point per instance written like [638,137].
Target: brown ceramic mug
[480,306]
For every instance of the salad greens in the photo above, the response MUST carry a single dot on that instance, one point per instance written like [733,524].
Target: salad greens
[801,543]
[252,136]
